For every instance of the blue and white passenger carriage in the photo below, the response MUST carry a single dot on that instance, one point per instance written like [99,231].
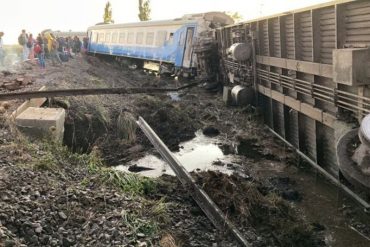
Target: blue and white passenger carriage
[157,45]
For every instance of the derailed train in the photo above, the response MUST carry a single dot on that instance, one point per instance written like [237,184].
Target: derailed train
[310,71]
[165,46]
[307,69]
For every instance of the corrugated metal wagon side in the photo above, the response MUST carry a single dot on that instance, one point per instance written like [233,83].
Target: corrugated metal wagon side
[312,73]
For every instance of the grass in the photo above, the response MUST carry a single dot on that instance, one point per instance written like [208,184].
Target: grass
[127,182]
[159,210]
[126,126]
[137,224]
[169,241]
[53,156]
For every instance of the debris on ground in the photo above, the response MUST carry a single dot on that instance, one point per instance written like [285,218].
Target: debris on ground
[54,195]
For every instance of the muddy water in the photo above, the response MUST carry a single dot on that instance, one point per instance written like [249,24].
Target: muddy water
[201,153]
[326,204]
[321,202]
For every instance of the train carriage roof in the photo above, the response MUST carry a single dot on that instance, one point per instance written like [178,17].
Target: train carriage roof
[219,17]
[140,24]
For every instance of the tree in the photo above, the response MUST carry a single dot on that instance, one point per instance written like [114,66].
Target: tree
[235,15]
[144,10]
[108,13]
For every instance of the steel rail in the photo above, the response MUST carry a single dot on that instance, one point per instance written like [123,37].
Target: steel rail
[212,211]
[87,91]
[326,174]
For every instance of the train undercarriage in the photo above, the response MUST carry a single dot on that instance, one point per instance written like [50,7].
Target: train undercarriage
[308,71]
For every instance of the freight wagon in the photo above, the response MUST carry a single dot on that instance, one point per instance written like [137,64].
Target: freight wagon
[310,69]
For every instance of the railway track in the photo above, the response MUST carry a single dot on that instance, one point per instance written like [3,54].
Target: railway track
[89,91]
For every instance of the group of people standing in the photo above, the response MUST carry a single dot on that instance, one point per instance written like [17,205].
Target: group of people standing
[46,45]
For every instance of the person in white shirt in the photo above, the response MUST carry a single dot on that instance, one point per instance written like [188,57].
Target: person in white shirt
[2,52]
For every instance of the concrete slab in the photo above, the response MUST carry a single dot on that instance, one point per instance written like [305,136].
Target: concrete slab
[29,103]
[42,122]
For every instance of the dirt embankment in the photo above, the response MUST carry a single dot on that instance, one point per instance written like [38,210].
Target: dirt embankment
[54,196]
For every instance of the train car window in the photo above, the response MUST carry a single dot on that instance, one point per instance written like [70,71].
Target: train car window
[149,38]
[139,38]
[107,38]
[130,38]
[182,39]
[114,37]
[96,37]
[101,37]
[170,39]
[161,38]
[122,37]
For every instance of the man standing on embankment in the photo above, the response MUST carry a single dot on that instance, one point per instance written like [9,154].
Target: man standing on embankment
[22,40]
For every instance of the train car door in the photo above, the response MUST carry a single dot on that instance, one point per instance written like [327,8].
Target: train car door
[188,54]
[90,35]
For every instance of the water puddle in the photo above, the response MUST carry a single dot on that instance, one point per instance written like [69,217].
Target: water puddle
[199,154]
[325,203]
[344,221]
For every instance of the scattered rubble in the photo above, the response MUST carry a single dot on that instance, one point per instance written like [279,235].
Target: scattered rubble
[13,81]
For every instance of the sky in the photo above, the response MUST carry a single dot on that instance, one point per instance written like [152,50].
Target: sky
[78,15]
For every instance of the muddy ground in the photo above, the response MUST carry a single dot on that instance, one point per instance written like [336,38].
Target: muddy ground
[68,196]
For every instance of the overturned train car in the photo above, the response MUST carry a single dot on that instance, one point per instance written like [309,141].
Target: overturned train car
[165,46]
[310,70]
